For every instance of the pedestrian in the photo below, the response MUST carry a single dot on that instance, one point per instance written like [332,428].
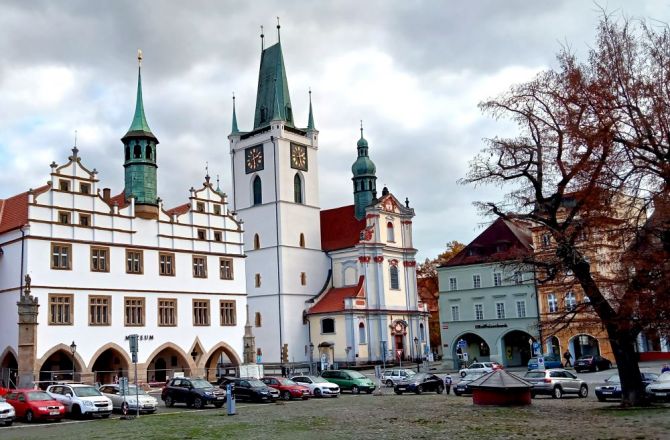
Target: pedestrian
[665,369]
[447,383]
[567,356]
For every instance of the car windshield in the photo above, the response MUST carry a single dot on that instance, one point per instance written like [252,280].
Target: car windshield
[355,375]
[256,383]
[284,381]
[664,377]
[319,380]
[419,376]
[535,374]
[38,395]
[614,379]
[86,392]
[132,390]
[201,383]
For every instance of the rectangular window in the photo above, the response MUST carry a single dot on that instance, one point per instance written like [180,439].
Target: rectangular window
[521,309]
[479,312]
[99,310]
[134,261]
[64,217]
[167,312]
[228,312]
[85,188]
[226,268]
[518,277]
[166,264]
[84,220]
[217,235]
[476,281]
[60,309]
[546,240]
[99,259]
[64,185]
[61,256]
[395,282]
[200,207]
[455,313]
[257,280]
[453,284]
[497,279]
[552,302]
[202,234]
[200,312]
[199,267]
[134,312]
[217,209]
[500,310]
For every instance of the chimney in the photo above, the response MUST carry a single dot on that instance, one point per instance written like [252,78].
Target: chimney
[106,194]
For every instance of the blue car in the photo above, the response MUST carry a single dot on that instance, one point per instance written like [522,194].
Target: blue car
[550,361]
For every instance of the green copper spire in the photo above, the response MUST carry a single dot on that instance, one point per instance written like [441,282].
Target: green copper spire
[234,130]
[273,101]
[310,119]
[139,123]
[365,180]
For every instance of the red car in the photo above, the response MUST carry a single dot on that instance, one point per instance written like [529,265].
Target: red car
[35,405]
[287,388]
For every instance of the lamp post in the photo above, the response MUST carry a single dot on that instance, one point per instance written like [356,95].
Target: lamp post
[347,350]
[311,357]
[416,352]
[73,350]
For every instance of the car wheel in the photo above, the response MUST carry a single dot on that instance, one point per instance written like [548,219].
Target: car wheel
[583,391]
[558,393]
[457,394]
[601,399]
[76,412]
[218,404]
[285,395]
[9,423]
[105,416]
[169,402]
[440,389]
[463,373]
[198,403]
[29,416]
[389,383]
[355,389]
[124,408]
[595,368]
[398,392]
[317,392]
[419,389]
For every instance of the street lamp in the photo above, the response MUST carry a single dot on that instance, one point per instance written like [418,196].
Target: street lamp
[416,348]
[73,350]
[311,357]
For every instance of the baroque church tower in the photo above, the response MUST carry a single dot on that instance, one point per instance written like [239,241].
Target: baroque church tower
[276,194]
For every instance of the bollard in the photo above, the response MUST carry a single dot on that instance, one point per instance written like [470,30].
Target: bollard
[230,399]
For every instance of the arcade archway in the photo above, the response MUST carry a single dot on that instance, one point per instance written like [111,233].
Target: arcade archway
[109,363]
[165,361]
[516,348]
[60,364]
[9,367]
[584,345]
[221,361]
[474,348]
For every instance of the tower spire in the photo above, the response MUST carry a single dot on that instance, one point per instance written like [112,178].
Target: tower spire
[262,39]
[365,180]
[139,123]
[278,34]
[234,130]
[310,118]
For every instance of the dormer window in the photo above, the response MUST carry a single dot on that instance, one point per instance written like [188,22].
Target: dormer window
[64,185]
[200,207]
[85,188]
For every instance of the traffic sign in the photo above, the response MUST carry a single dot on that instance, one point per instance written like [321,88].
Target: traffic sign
[462,343]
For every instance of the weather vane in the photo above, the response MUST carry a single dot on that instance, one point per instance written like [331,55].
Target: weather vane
[139,57]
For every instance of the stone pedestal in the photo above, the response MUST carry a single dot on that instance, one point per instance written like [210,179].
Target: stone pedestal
[28,309]
[249,341]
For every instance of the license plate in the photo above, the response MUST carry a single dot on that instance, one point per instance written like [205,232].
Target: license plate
[219,397]
[148,406]
[660,394]
[54,413]
[607,392]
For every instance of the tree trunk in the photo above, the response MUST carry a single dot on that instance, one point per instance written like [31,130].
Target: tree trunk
[632,388]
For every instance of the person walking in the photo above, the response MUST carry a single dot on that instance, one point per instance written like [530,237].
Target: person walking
[665,369]
[447,383]
[567,356]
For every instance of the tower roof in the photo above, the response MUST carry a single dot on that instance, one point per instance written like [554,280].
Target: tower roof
[363,166]
[272,98]
[234,129]
[139,126]
[310,118]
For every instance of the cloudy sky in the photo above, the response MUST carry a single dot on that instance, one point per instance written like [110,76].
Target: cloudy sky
[412,70]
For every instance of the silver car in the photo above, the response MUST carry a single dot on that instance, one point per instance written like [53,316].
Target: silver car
[556,382]
[128,403]
[393,376]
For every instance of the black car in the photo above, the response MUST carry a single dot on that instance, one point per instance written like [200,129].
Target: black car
[192,392]
[419,383]
[612,387]
[592,363]
[251,389]
[463,387]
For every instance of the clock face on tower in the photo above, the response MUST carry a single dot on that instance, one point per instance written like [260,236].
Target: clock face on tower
[299,157]
[253,158]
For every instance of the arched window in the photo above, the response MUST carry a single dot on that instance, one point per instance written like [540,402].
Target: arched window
[137,152]
[422,333]
[147,152]
[362,336]
[328,325]
[302,240]
[258,322]
[297,188]
[257,242]
[394,277]
[303,278]
[258,191]
[127,152]
[390,234]
[570,301]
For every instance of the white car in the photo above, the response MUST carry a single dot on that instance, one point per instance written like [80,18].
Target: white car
[114,392]
[477,367]
[318,386]
[393,376]
[660,388]
[81,400]
[7,414]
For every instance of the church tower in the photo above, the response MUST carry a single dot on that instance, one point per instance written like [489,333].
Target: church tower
[276,194]
[365,180]
[140,158]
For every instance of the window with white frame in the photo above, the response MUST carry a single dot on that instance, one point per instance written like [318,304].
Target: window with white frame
[518,277]
[453,284]
[570,301]
[476,281]
[500,310]
[455,313]
[521,309]
[497,279]
[479,312]
[552,303]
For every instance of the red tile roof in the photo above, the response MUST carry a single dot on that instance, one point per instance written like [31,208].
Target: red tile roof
[339,228]
[333,300]
[14,210]
[119,199]
[503,240]
[179,210]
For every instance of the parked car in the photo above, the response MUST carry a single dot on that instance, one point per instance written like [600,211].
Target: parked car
[288,389]
[478,367]
[7,413]
[551,360]
[250,389]
[612,387]
[192,392]
[349,380]
[463,387]
[419,383]
[81,400]
[395,375]
[592,363]
[660,388]
[318,386]
[35,405]
[556,382]
[128,402]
